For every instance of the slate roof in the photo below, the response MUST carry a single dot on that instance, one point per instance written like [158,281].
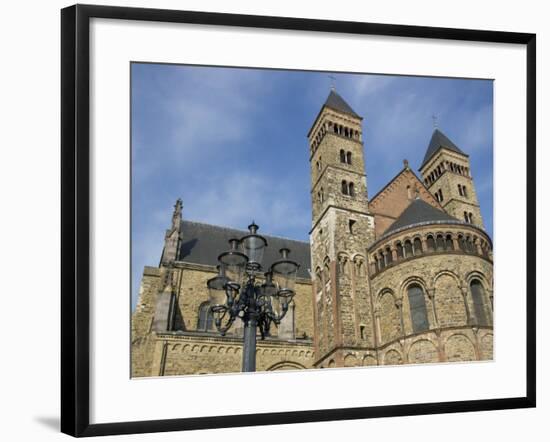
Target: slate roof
[418,212]
[336,102]
[202,244]
[439,140]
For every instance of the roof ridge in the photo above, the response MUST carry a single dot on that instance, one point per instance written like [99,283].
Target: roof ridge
[418,211]
[242,231]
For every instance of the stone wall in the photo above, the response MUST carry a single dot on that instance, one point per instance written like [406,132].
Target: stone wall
[447,181]
[389,203]
[185,353]
[453,329]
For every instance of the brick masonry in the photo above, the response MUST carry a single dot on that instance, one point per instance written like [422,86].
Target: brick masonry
[354,311]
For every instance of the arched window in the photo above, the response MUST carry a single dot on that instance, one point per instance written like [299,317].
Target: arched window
[381,260]
[206,320]
[431,243]
[348,158]
[389,257]
[351,189]
[417,303]
[469,245]
[477,297]
[344,187]
[440,242]
[342,156]
[470,218]
[408,249]
[464,192]
[466,217]
[460,190]
[461,243]
[399,248]
[449,243]
[417,246]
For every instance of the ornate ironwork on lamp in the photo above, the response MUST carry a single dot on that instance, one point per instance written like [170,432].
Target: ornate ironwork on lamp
[241,290]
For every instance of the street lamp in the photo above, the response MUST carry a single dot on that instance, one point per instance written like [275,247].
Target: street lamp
[242,289]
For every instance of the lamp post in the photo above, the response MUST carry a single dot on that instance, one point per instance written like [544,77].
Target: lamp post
[242,290]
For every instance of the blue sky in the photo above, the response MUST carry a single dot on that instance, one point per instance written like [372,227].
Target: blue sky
[232,143]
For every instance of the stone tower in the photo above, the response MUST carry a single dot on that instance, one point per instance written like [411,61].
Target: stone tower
[446,173]
[342,229]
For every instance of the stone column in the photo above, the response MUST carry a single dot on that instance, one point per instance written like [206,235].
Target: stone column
[464,291]
[431,295]
[478,246]
[377,321]
[475,330]
[399,305]
[456,246]
[424,241]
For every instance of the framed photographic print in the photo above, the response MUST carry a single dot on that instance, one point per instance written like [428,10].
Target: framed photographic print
[340,212]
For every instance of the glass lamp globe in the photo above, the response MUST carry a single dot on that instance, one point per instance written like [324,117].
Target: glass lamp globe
[234,262]
[253,246]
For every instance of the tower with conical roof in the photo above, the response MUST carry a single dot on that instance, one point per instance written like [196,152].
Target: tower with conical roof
[342,229]
[446,173]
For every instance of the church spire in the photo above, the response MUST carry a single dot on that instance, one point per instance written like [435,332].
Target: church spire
[337,103]
[172,236]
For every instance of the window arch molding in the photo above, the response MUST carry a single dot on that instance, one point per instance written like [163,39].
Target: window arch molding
[205,319]
[475,274]
[383,292]
[447,273]
[412,280]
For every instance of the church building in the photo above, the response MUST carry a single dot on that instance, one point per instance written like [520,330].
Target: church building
[402,277]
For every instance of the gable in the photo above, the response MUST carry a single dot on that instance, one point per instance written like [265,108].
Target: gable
[395,197]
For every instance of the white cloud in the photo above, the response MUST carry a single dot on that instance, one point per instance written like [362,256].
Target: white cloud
[243,197]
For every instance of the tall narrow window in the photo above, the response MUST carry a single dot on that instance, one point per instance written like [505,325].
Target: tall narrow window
[348,158]
[399,248]
[345,188]
[389,257]
[351,189]
[477,297]
[417,246]
[351,224]
[460,190]
[382,260]
[206,320]
[408,249]
[362,331]
[417,303]
[464,192]
[342,156]
[449,243]
[440,243]
[431,243]
[462,243]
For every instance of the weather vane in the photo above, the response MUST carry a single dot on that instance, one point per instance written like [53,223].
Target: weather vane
[434,118]
[332,80]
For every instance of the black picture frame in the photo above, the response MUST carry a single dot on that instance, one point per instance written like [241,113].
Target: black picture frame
[75,212]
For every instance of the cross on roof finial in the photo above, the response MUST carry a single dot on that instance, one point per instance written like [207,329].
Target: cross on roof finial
[434,118]
[332,80]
